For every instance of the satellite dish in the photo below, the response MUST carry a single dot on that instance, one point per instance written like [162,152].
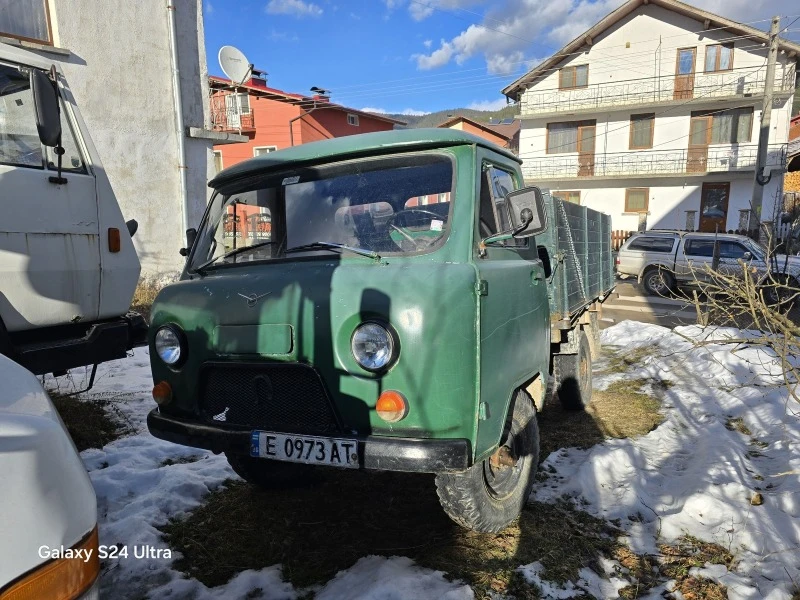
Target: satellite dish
[234,64]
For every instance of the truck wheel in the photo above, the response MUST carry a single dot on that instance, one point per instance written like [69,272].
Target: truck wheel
[486,498]
[658,282]
[573,375]
[270,474]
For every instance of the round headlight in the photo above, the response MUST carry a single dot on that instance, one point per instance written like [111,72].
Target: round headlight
[168,345]
[372,346]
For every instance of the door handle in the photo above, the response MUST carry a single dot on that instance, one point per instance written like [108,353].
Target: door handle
[537,275]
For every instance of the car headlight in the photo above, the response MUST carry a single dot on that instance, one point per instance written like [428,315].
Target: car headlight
[372,346]
[168,345]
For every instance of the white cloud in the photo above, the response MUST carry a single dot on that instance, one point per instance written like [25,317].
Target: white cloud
[209,8]
[413,113]
[427,43]
[420,12]
[435,59]
[489,104]
[295,8]
[370,109]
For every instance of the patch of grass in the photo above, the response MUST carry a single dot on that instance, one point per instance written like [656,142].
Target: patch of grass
[737,424]
[619,362]
[701,588]
[316,531]
[758,443]
[146,292]
[181,460]
[692,552]
[88,421]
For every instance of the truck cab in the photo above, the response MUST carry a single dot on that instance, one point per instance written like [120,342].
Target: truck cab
[68,264]
[378,301]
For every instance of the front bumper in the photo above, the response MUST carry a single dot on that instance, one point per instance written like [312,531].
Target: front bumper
[379,453]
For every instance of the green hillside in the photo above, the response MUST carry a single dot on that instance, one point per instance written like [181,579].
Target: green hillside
[436,118]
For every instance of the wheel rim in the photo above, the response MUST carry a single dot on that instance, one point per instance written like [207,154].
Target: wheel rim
[656,282]
[501,482]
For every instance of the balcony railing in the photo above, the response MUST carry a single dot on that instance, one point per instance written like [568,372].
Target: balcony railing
[742,82]
[654,163]
[229,118]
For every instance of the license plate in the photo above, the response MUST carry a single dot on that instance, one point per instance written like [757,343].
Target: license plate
[305,449]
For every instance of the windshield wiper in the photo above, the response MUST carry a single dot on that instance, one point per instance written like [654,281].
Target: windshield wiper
[234,252]
[333,246]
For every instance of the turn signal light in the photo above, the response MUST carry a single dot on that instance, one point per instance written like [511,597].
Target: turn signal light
[62,578]
[114,243]
[391,406]
[162,393]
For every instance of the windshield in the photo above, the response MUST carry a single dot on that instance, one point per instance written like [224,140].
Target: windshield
[375,207]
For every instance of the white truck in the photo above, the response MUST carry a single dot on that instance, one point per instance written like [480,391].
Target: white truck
[48,530]
[68,267]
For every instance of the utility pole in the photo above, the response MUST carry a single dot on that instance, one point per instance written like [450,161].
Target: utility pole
[763,133]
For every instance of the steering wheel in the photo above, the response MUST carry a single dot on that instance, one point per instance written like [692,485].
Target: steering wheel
[400,230]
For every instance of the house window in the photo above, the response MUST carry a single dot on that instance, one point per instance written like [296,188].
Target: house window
[26,20]
[352,120]
[719,57]
[575,136]
[636,200]
[642,131]
[732,126]
[217,161]
[571,196]
[262,150]
[573,77]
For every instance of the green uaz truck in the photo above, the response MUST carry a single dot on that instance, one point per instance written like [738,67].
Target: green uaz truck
[389,301]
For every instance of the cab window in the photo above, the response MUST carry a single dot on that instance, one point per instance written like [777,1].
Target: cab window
[19,138]
[702,248]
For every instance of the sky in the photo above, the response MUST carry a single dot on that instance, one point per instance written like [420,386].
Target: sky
[418,56]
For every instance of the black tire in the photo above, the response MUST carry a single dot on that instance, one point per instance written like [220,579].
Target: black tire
[658,282]
[573,376]
[486,499]
[270,474]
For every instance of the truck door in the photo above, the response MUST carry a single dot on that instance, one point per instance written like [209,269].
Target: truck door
[694,258]
[49,232]
[514,339]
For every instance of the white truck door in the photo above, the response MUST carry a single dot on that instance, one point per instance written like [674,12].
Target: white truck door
[49,233]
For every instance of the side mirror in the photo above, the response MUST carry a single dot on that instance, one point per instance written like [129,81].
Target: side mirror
[45,99]
[747,256]
[527,211]
[133,226]
[191,236]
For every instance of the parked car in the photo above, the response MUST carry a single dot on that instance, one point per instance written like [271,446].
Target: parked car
[664,260]
[66,254]
[48,530]
[401,313]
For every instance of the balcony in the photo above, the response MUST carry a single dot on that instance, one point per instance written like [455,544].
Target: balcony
[739,83]
[230,118]
[652,163]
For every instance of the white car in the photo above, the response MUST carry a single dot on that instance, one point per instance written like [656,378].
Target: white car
[48,529]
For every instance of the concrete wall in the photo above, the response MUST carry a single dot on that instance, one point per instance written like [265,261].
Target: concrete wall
[119,71]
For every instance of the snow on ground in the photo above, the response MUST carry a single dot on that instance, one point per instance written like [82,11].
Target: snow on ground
[690,475]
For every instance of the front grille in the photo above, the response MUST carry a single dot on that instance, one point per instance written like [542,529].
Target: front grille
[275,397]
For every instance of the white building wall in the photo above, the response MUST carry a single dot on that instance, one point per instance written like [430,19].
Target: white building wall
[119,71]
[644,46]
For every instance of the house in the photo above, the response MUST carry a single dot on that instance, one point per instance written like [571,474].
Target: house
[271,119]
[504,133]
[791,181]
[652,115]
[120,59]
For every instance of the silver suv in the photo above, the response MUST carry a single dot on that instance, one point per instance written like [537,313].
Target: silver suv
[662,260]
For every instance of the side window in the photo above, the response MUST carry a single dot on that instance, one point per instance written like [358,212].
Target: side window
[19,139]
[494,217]
[701,248]
[72,160]
[731,250]
[651,244]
